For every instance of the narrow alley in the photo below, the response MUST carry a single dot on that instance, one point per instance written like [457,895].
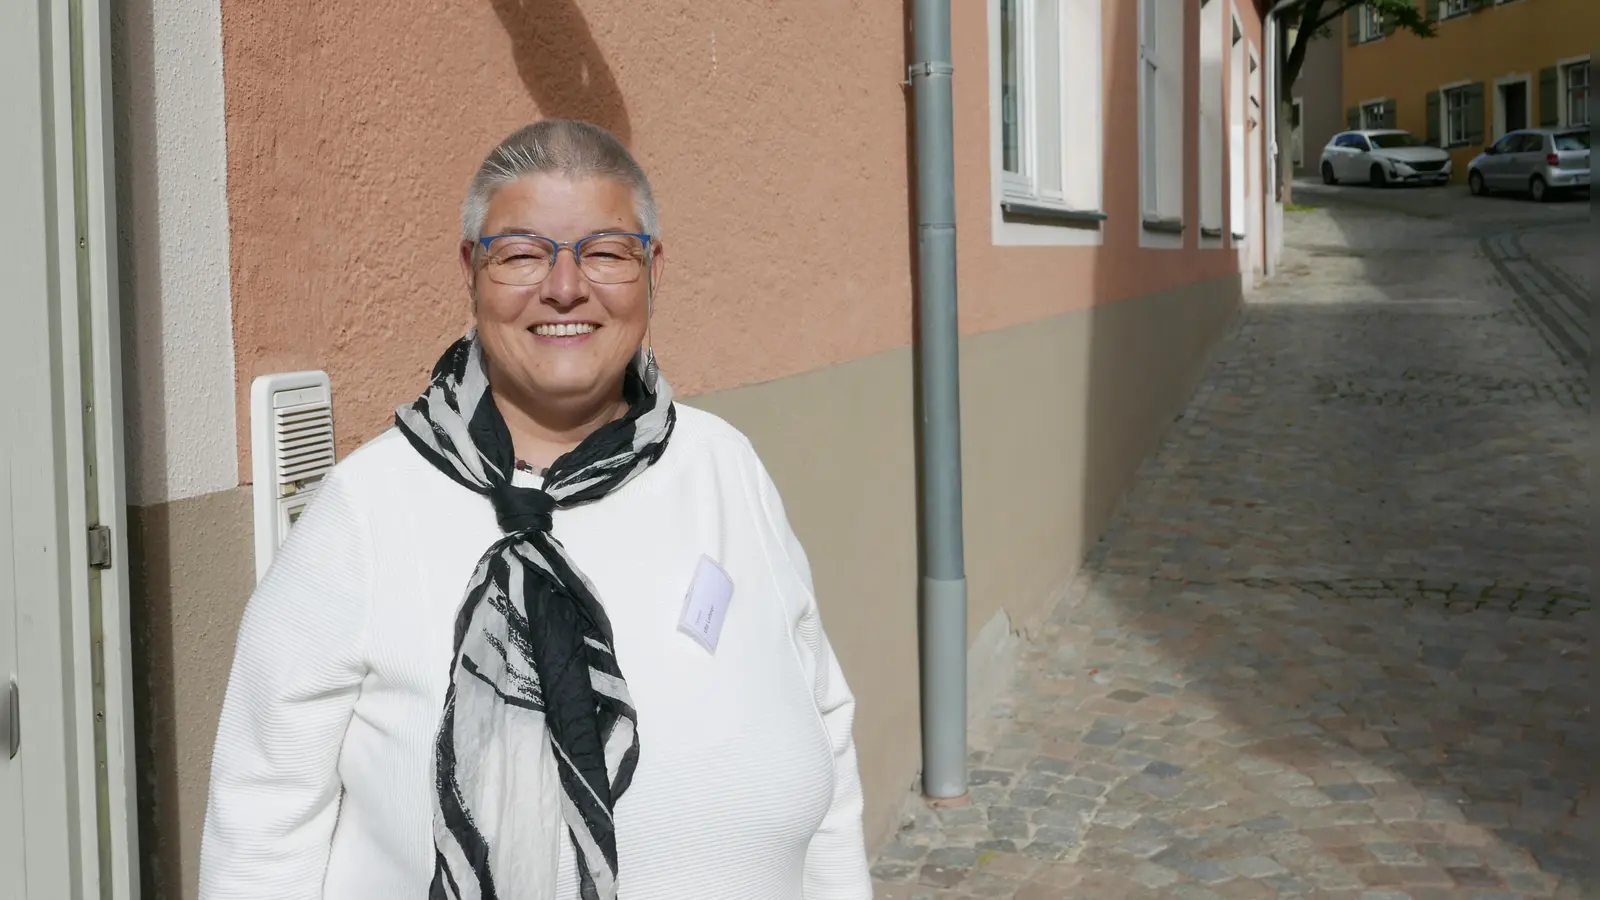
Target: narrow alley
[1334,644]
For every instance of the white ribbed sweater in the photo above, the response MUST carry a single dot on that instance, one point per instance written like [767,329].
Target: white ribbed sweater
[747,786]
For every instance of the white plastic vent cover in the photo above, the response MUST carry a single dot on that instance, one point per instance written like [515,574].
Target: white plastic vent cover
[291,449]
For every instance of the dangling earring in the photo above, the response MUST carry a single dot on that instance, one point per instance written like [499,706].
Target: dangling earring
[651,370]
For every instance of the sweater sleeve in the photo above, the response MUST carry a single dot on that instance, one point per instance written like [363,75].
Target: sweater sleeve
[297,670]
[836,862]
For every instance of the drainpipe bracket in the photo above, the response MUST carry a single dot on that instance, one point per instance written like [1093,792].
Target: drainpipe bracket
[928,70]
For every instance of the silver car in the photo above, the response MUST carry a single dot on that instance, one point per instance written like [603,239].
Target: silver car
[1381,157]
[1540,161]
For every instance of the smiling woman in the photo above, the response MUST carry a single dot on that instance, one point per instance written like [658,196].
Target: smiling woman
[496,652]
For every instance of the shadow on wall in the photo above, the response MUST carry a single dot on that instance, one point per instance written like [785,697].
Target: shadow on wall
[561,65]
[139,276]
[1145,355]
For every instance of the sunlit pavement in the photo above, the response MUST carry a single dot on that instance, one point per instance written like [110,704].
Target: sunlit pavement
[1335,644]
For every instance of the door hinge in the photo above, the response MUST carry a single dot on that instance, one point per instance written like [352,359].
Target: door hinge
[100,547]
[11,721]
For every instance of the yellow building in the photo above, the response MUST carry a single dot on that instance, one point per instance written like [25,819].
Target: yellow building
[1493,66]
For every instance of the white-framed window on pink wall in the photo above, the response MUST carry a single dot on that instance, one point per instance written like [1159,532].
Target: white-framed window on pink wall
[1047,90]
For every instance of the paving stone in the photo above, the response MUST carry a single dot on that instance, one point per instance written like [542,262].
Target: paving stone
[1332,644]
[1255,867]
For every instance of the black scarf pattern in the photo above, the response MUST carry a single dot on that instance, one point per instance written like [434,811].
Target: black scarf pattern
[535,688]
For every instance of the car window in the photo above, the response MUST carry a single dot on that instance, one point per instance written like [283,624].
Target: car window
[1395,139]
[1573,140]
[1357,142]
[1505,144]
[1342,140]
[1531,143]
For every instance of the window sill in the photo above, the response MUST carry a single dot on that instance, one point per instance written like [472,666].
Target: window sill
[1023,210]
[1211,232]
[1163,225]
[1238,235]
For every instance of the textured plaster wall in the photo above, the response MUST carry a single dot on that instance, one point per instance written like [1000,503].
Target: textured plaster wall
[173,254]
[774,133]
[776,139]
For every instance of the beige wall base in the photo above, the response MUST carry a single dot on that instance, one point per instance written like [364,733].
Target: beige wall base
[1057,416]
[193,568]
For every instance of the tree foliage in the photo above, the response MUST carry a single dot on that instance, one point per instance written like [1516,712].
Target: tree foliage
[1314,18]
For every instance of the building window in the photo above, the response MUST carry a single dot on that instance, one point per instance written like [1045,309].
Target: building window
[1372,23]
[1161,114]
[1576,79]
[1046,70]
[1455,8]
[1377,114]
[1212,138]
[1456,104]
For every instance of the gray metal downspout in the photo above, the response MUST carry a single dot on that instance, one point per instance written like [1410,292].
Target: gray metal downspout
[943,614]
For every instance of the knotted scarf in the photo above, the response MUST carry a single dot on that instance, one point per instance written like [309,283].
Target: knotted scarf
[538,730]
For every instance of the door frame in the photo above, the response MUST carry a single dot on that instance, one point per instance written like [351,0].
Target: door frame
[1500,84]
[61,334]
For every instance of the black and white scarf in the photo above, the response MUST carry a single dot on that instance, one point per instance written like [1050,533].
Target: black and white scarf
[538,730]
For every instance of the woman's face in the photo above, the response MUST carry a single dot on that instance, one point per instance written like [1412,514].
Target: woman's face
[573,370]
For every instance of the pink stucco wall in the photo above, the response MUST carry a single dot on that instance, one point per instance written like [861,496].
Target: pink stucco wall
[776,136]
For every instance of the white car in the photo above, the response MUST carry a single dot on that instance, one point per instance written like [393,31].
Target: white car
[1383,157]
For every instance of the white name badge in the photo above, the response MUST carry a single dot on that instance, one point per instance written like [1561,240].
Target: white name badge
[707,604]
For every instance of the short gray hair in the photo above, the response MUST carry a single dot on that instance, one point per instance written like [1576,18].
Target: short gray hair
[557,146]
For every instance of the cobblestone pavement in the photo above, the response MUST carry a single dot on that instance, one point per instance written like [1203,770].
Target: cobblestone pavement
[1335,644]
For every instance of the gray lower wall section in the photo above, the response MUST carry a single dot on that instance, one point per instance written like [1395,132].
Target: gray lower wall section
[1057,416]
[194,567]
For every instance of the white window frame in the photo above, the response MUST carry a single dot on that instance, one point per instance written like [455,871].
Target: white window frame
[1160,104]
[1460,89]
[1564,70]
[1368,104]
[1449,9]
[1371,24]
[1238,133]
[1212,133]
[1022,213]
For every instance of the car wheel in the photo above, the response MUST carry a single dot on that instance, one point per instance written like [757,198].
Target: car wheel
[1475,184]
[1539,190]
[1376,177]
[1327,174]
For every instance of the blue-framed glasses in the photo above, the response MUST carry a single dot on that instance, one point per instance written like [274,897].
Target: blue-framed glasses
[522,260]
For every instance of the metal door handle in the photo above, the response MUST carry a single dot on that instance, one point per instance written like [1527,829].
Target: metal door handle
[11,721]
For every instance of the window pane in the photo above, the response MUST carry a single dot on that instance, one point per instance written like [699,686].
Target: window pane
[1047,109]
[1578,94]
[1010,88]
[1149,139]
